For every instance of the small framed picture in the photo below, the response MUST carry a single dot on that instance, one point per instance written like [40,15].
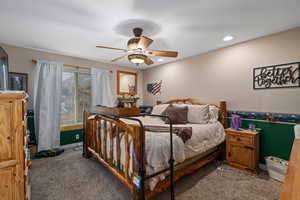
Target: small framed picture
[18,81]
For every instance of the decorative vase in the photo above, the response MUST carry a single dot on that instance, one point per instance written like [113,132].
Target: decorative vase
[236,122]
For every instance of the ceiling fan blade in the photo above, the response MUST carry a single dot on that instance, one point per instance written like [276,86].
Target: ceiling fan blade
[148,61]
[144,42]
[111,48]
[172,54]
[118,58]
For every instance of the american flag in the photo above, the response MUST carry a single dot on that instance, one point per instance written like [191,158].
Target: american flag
[154,88]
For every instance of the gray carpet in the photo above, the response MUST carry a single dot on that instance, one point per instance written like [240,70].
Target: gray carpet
[71,177]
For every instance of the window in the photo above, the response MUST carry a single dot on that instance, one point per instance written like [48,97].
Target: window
[75,96]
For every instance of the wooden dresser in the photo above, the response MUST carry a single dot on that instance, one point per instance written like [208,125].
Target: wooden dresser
[125,112]
[13,147]
[242,149]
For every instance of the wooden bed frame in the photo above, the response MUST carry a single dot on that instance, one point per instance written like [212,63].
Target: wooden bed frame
[135,181]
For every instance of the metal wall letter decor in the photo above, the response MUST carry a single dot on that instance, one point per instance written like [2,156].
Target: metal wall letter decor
[277,76]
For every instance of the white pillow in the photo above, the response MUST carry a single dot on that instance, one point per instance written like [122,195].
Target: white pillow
[159,109]
[213,114]
[198,114]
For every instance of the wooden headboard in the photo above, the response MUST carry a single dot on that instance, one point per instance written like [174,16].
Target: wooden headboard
[221,106]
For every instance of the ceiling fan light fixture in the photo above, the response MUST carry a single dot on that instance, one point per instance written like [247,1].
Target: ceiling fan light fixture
[137,58]
[137,48]
[137,61]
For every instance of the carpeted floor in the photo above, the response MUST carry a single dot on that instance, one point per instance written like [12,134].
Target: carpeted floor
[71,177]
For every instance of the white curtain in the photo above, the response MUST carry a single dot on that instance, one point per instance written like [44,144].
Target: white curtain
[47,83]
[101,88]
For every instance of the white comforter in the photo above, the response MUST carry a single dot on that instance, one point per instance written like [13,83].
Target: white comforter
[204,138]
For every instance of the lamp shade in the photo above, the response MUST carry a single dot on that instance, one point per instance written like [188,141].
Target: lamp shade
[137,58]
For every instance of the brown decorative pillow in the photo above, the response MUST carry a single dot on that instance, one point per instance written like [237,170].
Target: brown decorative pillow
[177,114]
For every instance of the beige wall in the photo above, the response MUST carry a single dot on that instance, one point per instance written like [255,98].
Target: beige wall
[226,74]
[20,60]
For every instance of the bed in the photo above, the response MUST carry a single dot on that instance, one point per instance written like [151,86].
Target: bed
[137,149]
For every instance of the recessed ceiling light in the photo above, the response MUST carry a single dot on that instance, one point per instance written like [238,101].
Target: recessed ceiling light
[228,38]
[160,60]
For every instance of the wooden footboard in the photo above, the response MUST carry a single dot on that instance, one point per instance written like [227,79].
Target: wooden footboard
[103,131]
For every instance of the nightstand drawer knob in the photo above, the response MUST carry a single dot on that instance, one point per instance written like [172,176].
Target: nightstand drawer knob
[238,139]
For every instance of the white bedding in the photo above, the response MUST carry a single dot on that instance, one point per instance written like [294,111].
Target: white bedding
[157,147]
[204,138]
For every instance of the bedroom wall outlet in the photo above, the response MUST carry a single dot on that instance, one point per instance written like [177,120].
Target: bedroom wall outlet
[77,136]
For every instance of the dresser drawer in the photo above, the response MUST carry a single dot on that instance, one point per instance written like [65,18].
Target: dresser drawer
[7,183]
[12,143]
[242,139]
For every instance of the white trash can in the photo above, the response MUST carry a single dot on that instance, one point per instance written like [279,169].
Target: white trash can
[276,167]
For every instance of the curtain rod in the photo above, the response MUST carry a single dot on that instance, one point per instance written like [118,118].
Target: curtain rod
[72,66]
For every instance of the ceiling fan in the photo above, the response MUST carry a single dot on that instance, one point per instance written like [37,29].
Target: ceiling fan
[137,51]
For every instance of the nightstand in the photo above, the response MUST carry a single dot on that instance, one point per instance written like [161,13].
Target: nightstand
[125,112]
[242,149]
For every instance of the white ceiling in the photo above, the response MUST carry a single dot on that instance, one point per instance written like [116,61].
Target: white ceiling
[75,27]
